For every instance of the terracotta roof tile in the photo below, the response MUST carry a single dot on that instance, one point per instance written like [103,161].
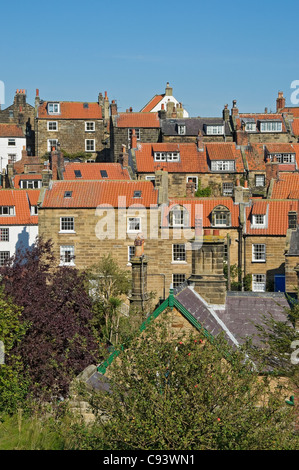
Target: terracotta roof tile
[279,147]
[90,194]
[20,200]
[71,110]
[92,171]
[255,157]
[143,120]
[292,110]
[287,187]
[10,130]
[152,103]
[261,117]
[17,178]
[277,223]
[295,126]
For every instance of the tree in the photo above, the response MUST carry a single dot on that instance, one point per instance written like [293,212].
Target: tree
[59,343]
[170,393]
[13,380]
[108,284]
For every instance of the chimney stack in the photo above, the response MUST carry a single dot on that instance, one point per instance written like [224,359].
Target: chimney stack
[161,183]
[225,113]
[113,108]
[168,90]
[124,157]
[280,102]
[199,142]
[134,140]
[234,110]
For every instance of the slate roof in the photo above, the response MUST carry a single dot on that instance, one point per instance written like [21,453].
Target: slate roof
[193,125]
[260,117]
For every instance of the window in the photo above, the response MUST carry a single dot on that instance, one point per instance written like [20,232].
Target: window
[90,126]
[258,252]
[223,165]
[11,142]
[220,217]
[89,145]
[259,181]
[284,157]
[214,130]
[178,253]
[7,210]
[178,279]
[137,194]
[10,113]
[4,234]
[292,220]
[12,157]
[250,127]
[259,219]
[4,256]
[68,194]
[134,224]
[34,210]
[193,179]
[53,108]
[137,134]
[30,184]
[67,255]
[270,126]
[52,126]
[78,173]
[131,252]
[178,217]
[151,178]
[52,143]
[181,129]
[227,189]
[67,224]
[258,282]
[167,156]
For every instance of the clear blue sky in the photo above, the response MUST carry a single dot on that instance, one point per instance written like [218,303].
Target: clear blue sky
[211,52]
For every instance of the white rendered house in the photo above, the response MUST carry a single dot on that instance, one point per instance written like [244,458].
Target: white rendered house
[12,142]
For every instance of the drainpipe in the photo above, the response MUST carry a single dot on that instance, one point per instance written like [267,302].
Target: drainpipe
[164,278]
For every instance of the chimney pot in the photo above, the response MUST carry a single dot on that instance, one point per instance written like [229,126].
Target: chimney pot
[37,92]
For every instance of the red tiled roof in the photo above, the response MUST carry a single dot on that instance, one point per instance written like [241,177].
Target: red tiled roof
[10,130]
[261,117]
[287,187]
[19,198]
[152,103]
[92,171]
[191,160]
[255,157]
[295,126]
[194,207]
[71,110]
[17,178]
[147,120]
[90,194]
[291,110]
[279,147]
[277,216]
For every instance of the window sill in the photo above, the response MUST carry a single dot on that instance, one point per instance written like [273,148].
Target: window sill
[258,261]
[179,262]
[67,231]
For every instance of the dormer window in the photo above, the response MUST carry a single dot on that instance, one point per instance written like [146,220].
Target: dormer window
[223,165]
[53,108]
[215,129]
[221,217]
[283,157]
[7,210]
[292,220]
[250,127]
[181,129]
[178,217]
[270,126]
[259,220]
[167,156]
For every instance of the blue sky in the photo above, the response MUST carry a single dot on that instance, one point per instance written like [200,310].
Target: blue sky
[209,52]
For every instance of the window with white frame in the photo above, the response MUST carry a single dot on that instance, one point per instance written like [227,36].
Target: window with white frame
[4,234]
[250,127]
[30,184]
[52,125]
[258,252]
[137,134]
[178,252]
[284,157]
[11,142]
[259,219]
[178,279]
[178,217]
[52,144]
[167,156]
[220,217]
[270,126]
[53,108]
[67,255]
[90,145]
[4,256]
[67,224]
[193,179]
[215,129]
[134,224]
[259,181]
[131,252]
[12,157]
[223,165]
[34,210]
[7,210]
[259,282]
[181,129]
[89,126]
[227,189]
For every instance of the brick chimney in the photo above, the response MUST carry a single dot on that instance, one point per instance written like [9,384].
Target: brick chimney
[234,110]
[242,194]
[113,108]
[280,102]
[241,135]
[124,157]
[56,163]
[272,170]
[162,112]
[207,276]
[139,297]
[37,101]
[134,140]
[199,142]
[225,113]
[168,90]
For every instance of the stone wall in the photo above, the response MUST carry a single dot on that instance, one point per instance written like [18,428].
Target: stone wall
[120,137]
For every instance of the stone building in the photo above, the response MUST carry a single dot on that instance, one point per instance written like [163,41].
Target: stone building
[21,114]
[167,103]
[80,128]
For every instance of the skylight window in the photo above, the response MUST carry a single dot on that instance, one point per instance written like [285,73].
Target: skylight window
[104,174]
[68,194]
[78,173]
[137,194]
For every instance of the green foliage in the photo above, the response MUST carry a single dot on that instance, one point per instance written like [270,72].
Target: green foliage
[14,382]
[172,393]
[203,192]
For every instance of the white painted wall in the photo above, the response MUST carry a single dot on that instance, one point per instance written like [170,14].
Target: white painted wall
[6,149]
[164,101]
[25,234]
